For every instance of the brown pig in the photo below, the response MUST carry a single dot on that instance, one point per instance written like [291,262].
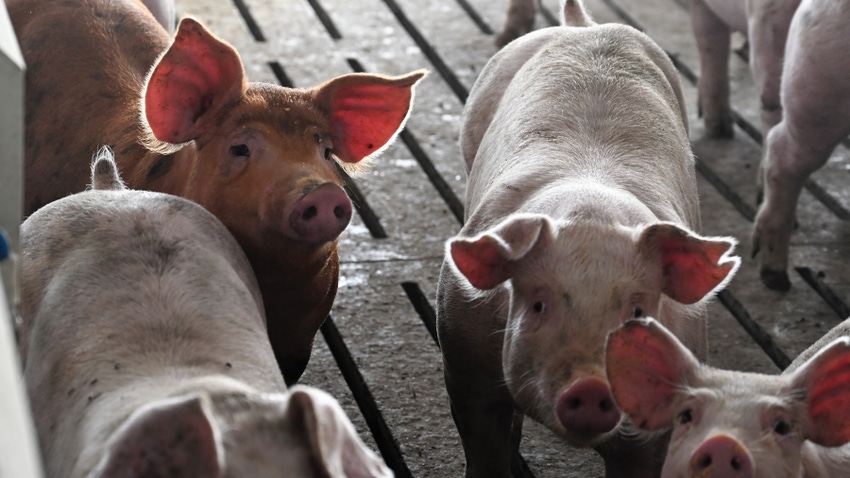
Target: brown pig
[184,120]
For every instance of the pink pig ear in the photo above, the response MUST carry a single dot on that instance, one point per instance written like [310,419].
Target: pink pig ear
[198,75]
[366,111]
[487,260]
[329,437]
[646,364]
[692,266]
[174,438]
[826,378]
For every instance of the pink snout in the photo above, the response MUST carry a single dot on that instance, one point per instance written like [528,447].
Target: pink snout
[321,215]
[588,407]
[721,456]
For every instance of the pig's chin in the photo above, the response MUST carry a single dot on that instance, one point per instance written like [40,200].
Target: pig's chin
[547,415]
[583,440]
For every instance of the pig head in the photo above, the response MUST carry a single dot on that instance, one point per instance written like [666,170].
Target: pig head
[184,120]
[735,424]
[145,353]
[581,211]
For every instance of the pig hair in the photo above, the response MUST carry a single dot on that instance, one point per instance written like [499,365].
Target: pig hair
[104,171]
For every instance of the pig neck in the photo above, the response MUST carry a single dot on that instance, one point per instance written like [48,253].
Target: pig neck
[297,296]
[591,200]
[822,462]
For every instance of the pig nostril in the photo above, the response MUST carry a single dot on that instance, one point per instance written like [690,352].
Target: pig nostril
[705,462]
[574,404]
[310,213]
[339,211]
[606,405]
[736,464]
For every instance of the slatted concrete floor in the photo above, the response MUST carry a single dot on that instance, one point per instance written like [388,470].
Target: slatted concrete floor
[378,354]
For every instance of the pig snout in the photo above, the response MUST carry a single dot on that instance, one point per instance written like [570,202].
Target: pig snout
[321,214]
[721,456]
[588,407]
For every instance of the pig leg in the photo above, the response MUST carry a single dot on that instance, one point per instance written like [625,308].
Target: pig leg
[816,101]
[485,432]
[482,408]
[626,458]
[768,32]
[519,22]
[713,37]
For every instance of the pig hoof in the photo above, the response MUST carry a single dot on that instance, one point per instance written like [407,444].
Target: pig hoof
[776,280]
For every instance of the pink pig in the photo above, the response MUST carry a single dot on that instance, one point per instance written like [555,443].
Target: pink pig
[815,118]
[184,120]
[735,424]
[581,210]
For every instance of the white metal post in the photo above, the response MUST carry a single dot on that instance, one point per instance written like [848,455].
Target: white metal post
[19,454]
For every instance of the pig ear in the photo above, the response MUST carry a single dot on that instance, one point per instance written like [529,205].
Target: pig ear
[366,111]
[175,438]
[692,266]
[331,438]
[487,260]
[825,378]
[197,76]
[646,366]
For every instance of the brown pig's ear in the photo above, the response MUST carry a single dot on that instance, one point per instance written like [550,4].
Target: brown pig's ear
[692,266]
[197,76]
[366,111]
[646,366]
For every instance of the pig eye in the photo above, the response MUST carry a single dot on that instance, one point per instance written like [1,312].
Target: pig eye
[781,428]
[240,150]
[687,416]
[637,313]
[539,307]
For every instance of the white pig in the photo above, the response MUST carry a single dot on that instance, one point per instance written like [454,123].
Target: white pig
[581,210]
[816,117]
[765,23]
[736,424]
[145,352]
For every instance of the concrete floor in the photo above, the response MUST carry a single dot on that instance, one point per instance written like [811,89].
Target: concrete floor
[379,357]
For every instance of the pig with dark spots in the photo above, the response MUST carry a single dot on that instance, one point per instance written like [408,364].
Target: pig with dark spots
[729,424]
[145,352]
[582,212]
[186,121]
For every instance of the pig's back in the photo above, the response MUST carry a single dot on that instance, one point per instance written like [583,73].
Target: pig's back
[86,64]
[126,293]
[599,104]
